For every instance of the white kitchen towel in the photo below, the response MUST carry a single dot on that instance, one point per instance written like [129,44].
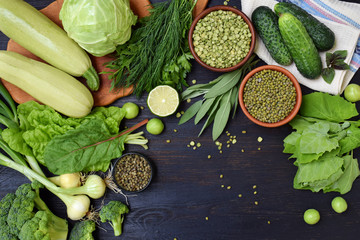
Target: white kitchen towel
[343,18]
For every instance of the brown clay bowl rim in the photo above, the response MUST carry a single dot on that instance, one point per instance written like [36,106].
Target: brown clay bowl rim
[146,159]
[298,96]
[226,8]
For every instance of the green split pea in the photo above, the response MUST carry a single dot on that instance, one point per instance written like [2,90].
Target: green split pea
[221,39]
[269,96]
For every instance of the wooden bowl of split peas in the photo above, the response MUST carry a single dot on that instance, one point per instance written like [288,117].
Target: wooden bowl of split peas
[222,38]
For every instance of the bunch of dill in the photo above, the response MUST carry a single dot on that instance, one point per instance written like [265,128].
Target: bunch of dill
[157,52]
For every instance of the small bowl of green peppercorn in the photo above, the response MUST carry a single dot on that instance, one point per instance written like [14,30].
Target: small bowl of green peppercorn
[133,172]
[270,96]
[222,38]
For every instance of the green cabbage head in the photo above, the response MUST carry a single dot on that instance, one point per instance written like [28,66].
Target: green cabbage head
[98,26]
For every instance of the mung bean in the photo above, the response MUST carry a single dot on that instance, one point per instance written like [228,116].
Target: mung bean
[269,96]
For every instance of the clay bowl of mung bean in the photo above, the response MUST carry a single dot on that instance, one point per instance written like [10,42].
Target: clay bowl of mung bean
[270,96]
[222,38]
[132,172]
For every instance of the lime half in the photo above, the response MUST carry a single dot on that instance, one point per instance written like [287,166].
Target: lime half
[163,100]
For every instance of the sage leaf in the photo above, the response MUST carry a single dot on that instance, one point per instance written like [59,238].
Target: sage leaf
[222,116]
[204,109]
[220,121]
[228,81]
[190,112]
[212,114]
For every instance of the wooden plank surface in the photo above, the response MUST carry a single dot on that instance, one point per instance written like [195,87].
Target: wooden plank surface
[186,199]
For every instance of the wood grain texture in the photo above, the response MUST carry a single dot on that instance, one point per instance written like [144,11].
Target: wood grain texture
[186,199]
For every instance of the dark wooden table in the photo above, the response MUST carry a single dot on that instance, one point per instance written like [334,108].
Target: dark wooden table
[188,200]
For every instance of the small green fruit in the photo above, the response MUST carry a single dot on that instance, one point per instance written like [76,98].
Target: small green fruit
[132,110]
[339,205]
[311,216]
[155,126]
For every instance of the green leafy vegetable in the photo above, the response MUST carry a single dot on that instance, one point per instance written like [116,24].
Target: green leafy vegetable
[334,61]
[219,97]
[158,51]
[40,123]
[322,144]
[90,147]
[98,26]
[327,107]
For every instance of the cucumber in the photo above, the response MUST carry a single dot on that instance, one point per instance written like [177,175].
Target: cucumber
[266,24]
[302,49]
[41,36]
[47,84]
[321,35]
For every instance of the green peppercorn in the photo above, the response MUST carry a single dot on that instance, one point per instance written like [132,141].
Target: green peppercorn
[225,35]
[269,96]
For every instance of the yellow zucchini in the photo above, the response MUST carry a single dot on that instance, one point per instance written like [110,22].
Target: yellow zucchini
[47,84]
[37,33]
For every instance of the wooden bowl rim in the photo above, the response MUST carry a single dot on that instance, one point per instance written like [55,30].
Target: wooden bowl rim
[225,8]
[298,96]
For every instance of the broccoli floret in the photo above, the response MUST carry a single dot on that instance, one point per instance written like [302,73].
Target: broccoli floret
[18,219]
[22,208]
[114,212]
[83,230]
[59,226]
[36,228]
[5,205]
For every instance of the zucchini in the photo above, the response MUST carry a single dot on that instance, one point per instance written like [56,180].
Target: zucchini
[321,35]
[302,49]
[266,24]
[47,84]
[34,31]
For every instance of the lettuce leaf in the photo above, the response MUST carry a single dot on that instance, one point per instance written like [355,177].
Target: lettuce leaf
[40,123]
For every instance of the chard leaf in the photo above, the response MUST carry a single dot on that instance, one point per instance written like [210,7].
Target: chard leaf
[351,172]
[327,107]
[90,147]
